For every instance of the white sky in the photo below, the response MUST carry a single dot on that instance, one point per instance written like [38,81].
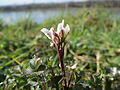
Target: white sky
[19,2]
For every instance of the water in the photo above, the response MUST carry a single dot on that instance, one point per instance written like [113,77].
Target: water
[37,15]
[41,15]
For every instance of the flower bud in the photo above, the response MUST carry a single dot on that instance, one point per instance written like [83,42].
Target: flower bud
[55,34]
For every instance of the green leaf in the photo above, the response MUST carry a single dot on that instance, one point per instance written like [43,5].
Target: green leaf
[2,77]
[41,68]
[56,79]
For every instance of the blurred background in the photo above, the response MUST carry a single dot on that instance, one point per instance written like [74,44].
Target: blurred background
[12,11]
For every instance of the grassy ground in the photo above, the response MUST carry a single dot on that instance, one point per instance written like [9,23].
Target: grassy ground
[93,43]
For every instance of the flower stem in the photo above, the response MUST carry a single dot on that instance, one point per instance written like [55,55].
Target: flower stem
[61,58]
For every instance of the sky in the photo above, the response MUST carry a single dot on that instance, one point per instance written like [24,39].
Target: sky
[21,2]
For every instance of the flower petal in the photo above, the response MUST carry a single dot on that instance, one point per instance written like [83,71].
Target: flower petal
[52,33]
[52,44]
[46,32]
[51,30]
[60,27]
[67,29]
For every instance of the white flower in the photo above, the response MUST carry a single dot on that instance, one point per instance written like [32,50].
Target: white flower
[61,29]
[114,71]
[48,33]
[57,36]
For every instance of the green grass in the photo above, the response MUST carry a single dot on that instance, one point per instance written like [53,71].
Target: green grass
[93,43]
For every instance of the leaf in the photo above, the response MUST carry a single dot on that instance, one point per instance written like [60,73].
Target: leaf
[41,68]
[115,60]
[32,66]
[33,83]
[2,77]
[56,79]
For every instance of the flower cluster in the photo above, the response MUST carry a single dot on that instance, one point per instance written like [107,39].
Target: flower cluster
[59,36]
[58,41]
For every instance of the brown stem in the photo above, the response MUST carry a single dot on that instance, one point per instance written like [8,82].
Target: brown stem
[61,56]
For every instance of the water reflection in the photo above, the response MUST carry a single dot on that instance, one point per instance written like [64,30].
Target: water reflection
[37,15]
[43,14]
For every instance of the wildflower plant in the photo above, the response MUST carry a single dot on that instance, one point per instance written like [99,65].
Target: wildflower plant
[93,59]
[58,42]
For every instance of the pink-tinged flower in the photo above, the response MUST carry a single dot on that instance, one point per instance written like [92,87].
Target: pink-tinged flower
[51,34]
[61,30]
[48,33]
[57,36]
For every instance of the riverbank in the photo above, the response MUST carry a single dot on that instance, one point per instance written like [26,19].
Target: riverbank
[108,4]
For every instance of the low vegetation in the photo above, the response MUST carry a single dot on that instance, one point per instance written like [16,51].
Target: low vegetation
[28,63]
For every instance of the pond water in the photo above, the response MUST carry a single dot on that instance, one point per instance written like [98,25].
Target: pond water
[37,15]
[42,14]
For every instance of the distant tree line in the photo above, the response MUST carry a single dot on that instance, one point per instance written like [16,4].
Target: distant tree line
[89,3]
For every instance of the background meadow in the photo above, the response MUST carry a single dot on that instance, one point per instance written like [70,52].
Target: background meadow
[93,44]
